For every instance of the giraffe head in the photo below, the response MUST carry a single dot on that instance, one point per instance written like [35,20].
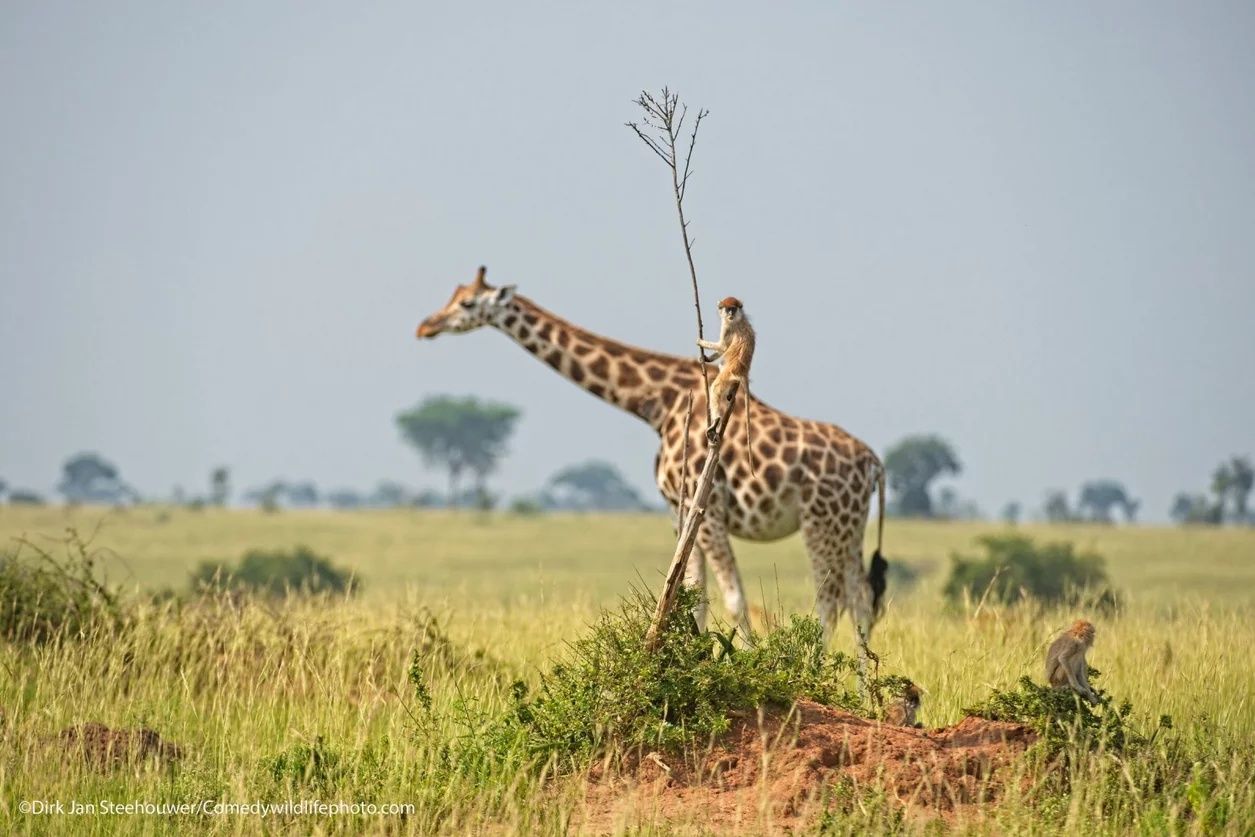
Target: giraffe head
[471,306]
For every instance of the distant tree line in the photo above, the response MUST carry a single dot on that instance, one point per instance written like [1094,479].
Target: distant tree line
[466,437]
[1231,484]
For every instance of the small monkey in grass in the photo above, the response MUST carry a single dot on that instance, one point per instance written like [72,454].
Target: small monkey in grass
[901,711]
[1065,661]
[736,347]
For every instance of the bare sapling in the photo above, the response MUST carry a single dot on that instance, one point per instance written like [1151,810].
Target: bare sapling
[661,129]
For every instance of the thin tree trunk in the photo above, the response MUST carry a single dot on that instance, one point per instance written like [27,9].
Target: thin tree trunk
[455,472]
[688,532]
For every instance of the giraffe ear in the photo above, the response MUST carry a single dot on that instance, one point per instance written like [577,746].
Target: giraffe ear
[503,294]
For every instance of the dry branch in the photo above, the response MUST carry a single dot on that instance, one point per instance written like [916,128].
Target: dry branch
[660,117]
[688,532]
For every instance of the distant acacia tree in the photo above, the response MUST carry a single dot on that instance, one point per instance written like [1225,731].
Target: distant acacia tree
[89,477]
[911,467]
[595,484]
[390,494]
[1011,512]
[303,494]
[1234,480]
[4,486]
[219,486]
[460,434]
[1056,507]
[344,498]
[25,497]
[1195,508]
[1099,497]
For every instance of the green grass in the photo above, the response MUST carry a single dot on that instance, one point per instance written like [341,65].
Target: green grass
[255,690]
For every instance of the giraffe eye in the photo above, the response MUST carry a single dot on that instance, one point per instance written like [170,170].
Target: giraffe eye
[467,303]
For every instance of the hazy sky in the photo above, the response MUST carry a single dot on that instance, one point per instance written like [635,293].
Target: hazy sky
[1028,227]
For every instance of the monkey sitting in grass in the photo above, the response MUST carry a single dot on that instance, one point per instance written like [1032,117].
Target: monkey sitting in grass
[1065,661]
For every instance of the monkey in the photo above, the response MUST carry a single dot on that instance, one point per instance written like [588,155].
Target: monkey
[736,347]
[1065,661]
[901,711]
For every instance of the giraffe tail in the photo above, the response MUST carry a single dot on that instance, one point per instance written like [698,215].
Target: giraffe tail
[876,575]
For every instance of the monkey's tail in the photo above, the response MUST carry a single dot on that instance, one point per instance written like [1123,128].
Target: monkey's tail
[748,446]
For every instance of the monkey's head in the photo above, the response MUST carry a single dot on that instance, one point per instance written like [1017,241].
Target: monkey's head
[1084,631]
[911,695]
[472,306]
[731,309]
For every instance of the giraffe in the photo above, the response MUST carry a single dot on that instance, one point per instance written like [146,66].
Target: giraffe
[810,475]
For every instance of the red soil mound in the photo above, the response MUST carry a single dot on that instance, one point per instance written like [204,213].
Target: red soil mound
[770,773]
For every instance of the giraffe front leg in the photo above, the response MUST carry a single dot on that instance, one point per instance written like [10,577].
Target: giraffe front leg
[695,576]
[712,539]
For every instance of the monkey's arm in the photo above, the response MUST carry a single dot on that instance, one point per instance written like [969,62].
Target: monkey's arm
[717,348]
[1083,677]
[1074,669]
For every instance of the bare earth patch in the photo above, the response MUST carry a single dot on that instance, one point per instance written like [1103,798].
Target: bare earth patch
[100,746]
[770,773]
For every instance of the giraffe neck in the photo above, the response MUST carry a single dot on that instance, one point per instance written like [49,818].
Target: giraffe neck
[642,383]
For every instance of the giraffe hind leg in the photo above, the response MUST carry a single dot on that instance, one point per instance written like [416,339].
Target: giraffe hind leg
[836,564]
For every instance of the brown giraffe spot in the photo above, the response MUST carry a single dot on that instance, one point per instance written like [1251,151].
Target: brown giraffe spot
[844,468]
[774,435]
[788,454]
[773,474]
[669,397]
[582,349]
[766,451]
[576,371]
[768,505]
[813,440]
[564,337]
[737,482]
[600,367]
[846,519]
[612,350]
[834,506]
[628,376]
[509,321]
[648,409]
[530,318]
[534,348]
[525,333]
[554,359]
[700,464]
[685,381]
[597,390]
[656,373]
[544,331]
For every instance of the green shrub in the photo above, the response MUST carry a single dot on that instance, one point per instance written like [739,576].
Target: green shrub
[276,573]
[525,506]
[43,598]
[608,693]
[1061,717]
[1015,568]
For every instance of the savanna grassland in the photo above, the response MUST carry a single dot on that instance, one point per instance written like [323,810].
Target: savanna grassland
[311,698]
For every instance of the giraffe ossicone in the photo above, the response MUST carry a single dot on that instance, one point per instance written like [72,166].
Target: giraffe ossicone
[810,476]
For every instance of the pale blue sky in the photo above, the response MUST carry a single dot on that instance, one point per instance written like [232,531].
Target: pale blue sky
[1025,226]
